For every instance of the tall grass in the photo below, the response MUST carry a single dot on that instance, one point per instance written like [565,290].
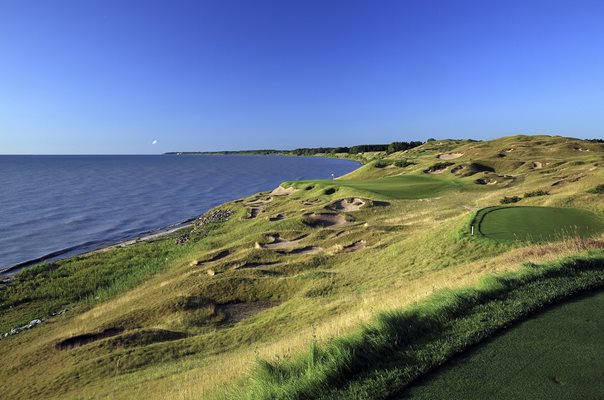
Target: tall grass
[397,347]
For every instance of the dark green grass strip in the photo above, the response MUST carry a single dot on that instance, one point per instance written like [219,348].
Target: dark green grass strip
[556,356]
[381,359]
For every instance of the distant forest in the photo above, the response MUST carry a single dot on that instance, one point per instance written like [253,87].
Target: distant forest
[308,151]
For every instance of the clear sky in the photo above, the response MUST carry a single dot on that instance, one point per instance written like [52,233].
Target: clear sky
[112,76]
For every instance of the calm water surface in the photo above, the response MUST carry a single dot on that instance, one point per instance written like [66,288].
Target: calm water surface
[79,203]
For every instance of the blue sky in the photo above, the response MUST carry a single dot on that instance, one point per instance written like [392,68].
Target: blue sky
[112,76]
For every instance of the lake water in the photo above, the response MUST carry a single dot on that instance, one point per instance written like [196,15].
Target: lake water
[73,204]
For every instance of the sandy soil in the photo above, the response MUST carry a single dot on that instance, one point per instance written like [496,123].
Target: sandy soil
[281,191]
[347,205]
[450,156]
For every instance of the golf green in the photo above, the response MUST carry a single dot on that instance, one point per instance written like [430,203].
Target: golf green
[394,187]
[555,355]
[537,224]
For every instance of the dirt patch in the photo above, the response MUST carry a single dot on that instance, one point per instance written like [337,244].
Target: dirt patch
[282,191]
[278,243]
[536,165]
[449,156]
[326,220]
[347,205]
[237,312]
[80,340]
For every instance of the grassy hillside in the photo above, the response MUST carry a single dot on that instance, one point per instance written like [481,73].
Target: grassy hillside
[188,316]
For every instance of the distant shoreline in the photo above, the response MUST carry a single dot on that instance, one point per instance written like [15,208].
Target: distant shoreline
[148,236]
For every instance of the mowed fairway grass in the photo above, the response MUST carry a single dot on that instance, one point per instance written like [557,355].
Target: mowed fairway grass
[556,355]
[394,187]
[537,224]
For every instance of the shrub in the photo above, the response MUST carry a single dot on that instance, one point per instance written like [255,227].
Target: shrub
[536,193]
[403,163]
[509,200]
[382,163]
[440,165]
[597,190]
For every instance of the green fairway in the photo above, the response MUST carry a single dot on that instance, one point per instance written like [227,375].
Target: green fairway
[537,224]
[393,187]
[557,355]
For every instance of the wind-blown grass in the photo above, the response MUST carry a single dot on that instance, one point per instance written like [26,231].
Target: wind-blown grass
[385,356]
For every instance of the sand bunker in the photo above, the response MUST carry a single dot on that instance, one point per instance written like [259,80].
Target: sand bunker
[236,312]
[86,338]
[212,258]
[438,171]
[326,220]
[259,201]
[536,165]
[347,205]
[277,217]
[354,246]
[253,212]
[303,250]
[278,243]
[282,191]
[485,181]
[450,156]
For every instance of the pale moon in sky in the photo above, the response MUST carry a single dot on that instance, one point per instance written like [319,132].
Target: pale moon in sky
[154,142]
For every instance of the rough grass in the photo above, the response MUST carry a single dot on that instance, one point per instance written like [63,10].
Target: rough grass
[382,358]
[180,338]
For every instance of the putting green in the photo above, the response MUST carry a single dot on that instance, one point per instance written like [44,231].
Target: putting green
[393,187]
[556,355]
[537,224]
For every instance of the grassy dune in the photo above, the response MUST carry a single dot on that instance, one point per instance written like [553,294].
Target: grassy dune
[189,319]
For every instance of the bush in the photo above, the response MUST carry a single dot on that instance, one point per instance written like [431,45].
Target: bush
[509,200]
[536,193]
[382,163]
[403,163]
[597,190]
[440,165]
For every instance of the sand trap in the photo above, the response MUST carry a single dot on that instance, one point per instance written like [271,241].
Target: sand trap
[509,150]
[253,212]
[347,205]
[212,258]
[259,202]
[458,168]
[536,165]
[438,171]
[278,243]
[450,156]
[485,181]
[326,220]
[236,312]
[277,217]
[354,246]
[281,191]
[86,338]
[303,250]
